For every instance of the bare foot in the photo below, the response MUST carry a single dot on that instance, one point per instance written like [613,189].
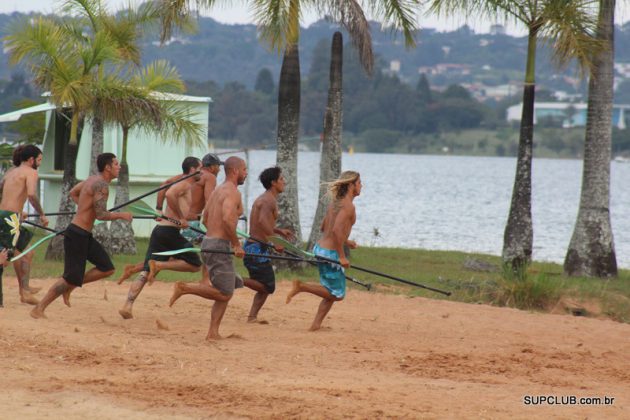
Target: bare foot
[127,272]
[38,313]
[153,271]
[314,327]
[66,298]
[213,336]
[34,290]
[295,289]
[27,297]
[252,320]
[177,292]
[125,313]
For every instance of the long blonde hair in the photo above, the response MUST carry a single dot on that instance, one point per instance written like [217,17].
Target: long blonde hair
[338,188]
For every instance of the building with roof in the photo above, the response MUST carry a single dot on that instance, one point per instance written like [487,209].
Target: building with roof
[151,159]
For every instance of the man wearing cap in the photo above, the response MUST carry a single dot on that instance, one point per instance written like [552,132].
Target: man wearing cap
[200,192]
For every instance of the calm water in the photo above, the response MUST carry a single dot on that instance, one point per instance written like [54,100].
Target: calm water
[456,203]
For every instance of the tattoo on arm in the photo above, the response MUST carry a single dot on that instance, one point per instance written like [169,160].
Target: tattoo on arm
[101,192]
[36,204]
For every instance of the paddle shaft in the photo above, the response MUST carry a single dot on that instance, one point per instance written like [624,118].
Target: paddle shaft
[387,276]
[272,257]
[58,232]
[366,285]
[133,200]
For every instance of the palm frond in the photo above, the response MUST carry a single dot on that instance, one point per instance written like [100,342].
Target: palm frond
[570,28]
[278,22]
[178,14]
[179,125]
[350,15]
[160,76]
[398,14]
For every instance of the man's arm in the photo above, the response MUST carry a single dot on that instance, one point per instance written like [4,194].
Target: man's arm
[76,191]
[341,231]
[31,191]
[162,193]
[100,190]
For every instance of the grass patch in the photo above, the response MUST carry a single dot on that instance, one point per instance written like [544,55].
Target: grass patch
[542,287]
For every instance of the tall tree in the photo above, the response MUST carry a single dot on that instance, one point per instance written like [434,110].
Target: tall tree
[567,26]
[330,163]
[591,251]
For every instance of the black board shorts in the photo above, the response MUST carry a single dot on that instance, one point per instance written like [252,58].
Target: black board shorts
[169,238]
[24,239]
[80,247]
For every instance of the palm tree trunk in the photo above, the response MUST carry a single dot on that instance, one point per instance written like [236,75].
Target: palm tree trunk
[330,163]
[55,249]
[121,238]
[101,231]
[519,234]
[592,250]
[288,127]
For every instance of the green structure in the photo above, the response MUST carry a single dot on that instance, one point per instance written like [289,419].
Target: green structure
[151,158]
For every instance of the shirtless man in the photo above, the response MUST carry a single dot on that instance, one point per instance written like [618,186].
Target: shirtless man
[166,236]
[79,244]
[200,192]
[336,227]
[18,185]
[262,225]
[220,218]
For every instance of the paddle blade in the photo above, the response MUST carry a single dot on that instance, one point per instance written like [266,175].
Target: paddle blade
[140,208]
[177,251]
[32,247]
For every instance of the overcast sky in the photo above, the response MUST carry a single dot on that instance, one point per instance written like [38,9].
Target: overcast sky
[240,14]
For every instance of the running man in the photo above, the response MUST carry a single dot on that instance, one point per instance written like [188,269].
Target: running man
[166,236]
[220,218]
[336,227]
[262,225]
[79,244]
[200,193]
[18,185]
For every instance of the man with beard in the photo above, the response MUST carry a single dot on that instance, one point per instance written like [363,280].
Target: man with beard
[220,218]
[18,185]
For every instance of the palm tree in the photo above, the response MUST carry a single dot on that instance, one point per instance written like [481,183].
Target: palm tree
[591,251]
[142,105]
[567,26]
[330,163]
[124,29]
[279,24]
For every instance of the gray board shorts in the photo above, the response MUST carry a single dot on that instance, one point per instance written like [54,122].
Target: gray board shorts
[220,266]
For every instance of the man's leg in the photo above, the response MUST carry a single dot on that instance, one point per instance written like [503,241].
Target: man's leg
[61,287]
[174,265]
[130,270]
[218,310]
[134,290]
[324,307]
[92,275]
[259,298]
[22,269]
[198,289]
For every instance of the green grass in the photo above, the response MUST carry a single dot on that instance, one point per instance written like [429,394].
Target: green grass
[541,288]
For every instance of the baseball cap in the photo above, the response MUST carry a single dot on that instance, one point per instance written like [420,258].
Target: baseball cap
[211,159]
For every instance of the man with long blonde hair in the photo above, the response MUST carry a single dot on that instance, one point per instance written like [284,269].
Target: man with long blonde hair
[336,227]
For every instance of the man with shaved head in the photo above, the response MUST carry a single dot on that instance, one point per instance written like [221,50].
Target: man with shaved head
[220,218]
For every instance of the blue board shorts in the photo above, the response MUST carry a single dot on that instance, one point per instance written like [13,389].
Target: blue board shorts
[192,236]
[331,276]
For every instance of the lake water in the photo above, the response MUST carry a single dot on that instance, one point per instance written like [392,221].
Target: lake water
[455,202]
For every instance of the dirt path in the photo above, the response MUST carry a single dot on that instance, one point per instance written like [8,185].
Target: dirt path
[379,356]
